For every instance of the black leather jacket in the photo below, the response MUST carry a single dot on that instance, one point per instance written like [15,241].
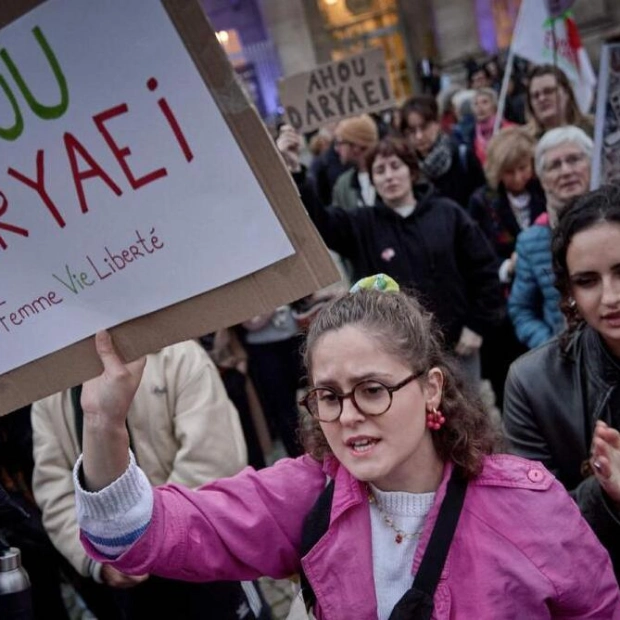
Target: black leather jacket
[552,400]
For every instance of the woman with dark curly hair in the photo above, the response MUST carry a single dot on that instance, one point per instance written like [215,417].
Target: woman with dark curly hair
[408,459]
[562,400]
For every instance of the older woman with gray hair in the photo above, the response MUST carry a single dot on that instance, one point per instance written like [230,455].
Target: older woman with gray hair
[562,161]
[485,113]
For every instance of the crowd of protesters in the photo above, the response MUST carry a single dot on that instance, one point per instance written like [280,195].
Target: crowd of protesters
[497,263]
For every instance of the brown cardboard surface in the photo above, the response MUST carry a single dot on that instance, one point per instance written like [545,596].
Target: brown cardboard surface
[310,269]
[355,85]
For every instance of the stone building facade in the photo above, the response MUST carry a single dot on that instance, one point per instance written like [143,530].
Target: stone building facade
[308,32]
[270,39]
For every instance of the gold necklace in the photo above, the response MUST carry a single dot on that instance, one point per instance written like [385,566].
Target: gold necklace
[400,534]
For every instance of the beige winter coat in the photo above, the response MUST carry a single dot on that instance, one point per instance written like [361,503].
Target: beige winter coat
[183,429]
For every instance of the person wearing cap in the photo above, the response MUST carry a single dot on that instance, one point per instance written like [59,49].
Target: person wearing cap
[355,137]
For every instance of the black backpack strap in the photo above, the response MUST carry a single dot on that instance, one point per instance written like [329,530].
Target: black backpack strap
[417,602]
[76,396]
[315,526]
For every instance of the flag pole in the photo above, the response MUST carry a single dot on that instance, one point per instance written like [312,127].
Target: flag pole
[554,38]
[501,103]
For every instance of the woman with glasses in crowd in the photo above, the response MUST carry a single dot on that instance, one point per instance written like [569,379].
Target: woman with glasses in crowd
[551,102]
[562,159]
[403,448]
[562,404]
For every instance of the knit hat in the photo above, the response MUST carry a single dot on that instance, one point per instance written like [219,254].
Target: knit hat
[360,130]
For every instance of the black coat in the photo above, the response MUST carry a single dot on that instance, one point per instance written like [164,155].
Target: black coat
[492,211]
[463,178]
[438,250]
[552,401]
[325,170]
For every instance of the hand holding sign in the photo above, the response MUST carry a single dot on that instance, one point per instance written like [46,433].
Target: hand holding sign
[106,400]
[289,144]
[103,186]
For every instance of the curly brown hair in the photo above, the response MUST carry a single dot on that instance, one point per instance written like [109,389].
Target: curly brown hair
[404,329]
[586,211]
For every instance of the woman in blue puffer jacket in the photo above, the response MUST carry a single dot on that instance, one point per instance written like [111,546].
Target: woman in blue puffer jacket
[562,160]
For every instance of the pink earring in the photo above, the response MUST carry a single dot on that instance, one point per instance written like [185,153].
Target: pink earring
[434,419]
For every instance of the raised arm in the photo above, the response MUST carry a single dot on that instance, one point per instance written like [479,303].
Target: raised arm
[105,401]
[335,224]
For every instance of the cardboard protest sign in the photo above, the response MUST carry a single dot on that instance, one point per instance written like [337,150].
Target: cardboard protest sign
[356,85]
[606,157]
[139,190]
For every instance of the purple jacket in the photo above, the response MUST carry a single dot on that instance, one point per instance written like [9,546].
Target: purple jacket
[521,548]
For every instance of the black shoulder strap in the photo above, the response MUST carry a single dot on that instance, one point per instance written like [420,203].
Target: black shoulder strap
[417,602]
[315,526]
[76,396]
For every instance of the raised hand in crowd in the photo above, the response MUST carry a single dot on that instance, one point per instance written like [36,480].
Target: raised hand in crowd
[469,342]
[606,459]
[289,143]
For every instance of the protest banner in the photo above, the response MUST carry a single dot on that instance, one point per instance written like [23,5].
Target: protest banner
[332,91]
[139,191]
[606,156]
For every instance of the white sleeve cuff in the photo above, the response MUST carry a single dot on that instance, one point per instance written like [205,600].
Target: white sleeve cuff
[115,517]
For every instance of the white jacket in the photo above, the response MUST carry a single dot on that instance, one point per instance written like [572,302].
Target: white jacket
[183,429]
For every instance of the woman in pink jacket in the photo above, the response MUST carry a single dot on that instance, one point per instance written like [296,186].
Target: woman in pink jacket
[396,433]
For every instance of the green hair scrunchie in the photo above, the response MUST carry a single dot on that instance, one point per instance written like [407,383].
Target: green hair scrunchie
[378,282]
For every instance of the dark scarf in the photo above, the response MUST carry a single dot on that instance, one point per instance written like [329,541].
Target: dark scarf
[439,158]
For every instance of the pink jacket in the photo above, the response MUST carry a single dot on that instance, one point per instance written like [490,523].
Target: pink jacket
[521,549]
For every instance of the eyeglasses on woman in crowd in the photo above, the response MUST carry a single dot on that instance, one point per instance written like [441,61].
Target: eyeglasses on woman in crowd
[370,397]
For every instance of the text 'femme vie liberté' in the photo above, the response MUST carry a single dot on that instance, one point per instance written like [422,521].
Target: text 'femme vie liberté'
[75,279]
[83,166]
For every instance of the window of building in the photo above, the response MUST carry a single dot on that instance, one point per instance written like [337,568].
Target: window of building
[358,25]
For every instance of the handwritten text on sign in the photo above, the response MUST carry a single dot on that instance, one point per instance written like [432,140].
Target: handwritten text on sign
[122,190]
[355,85]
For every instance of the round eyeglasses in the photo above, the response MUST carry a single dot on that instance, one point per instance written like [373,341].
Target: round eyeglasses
[370,397]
